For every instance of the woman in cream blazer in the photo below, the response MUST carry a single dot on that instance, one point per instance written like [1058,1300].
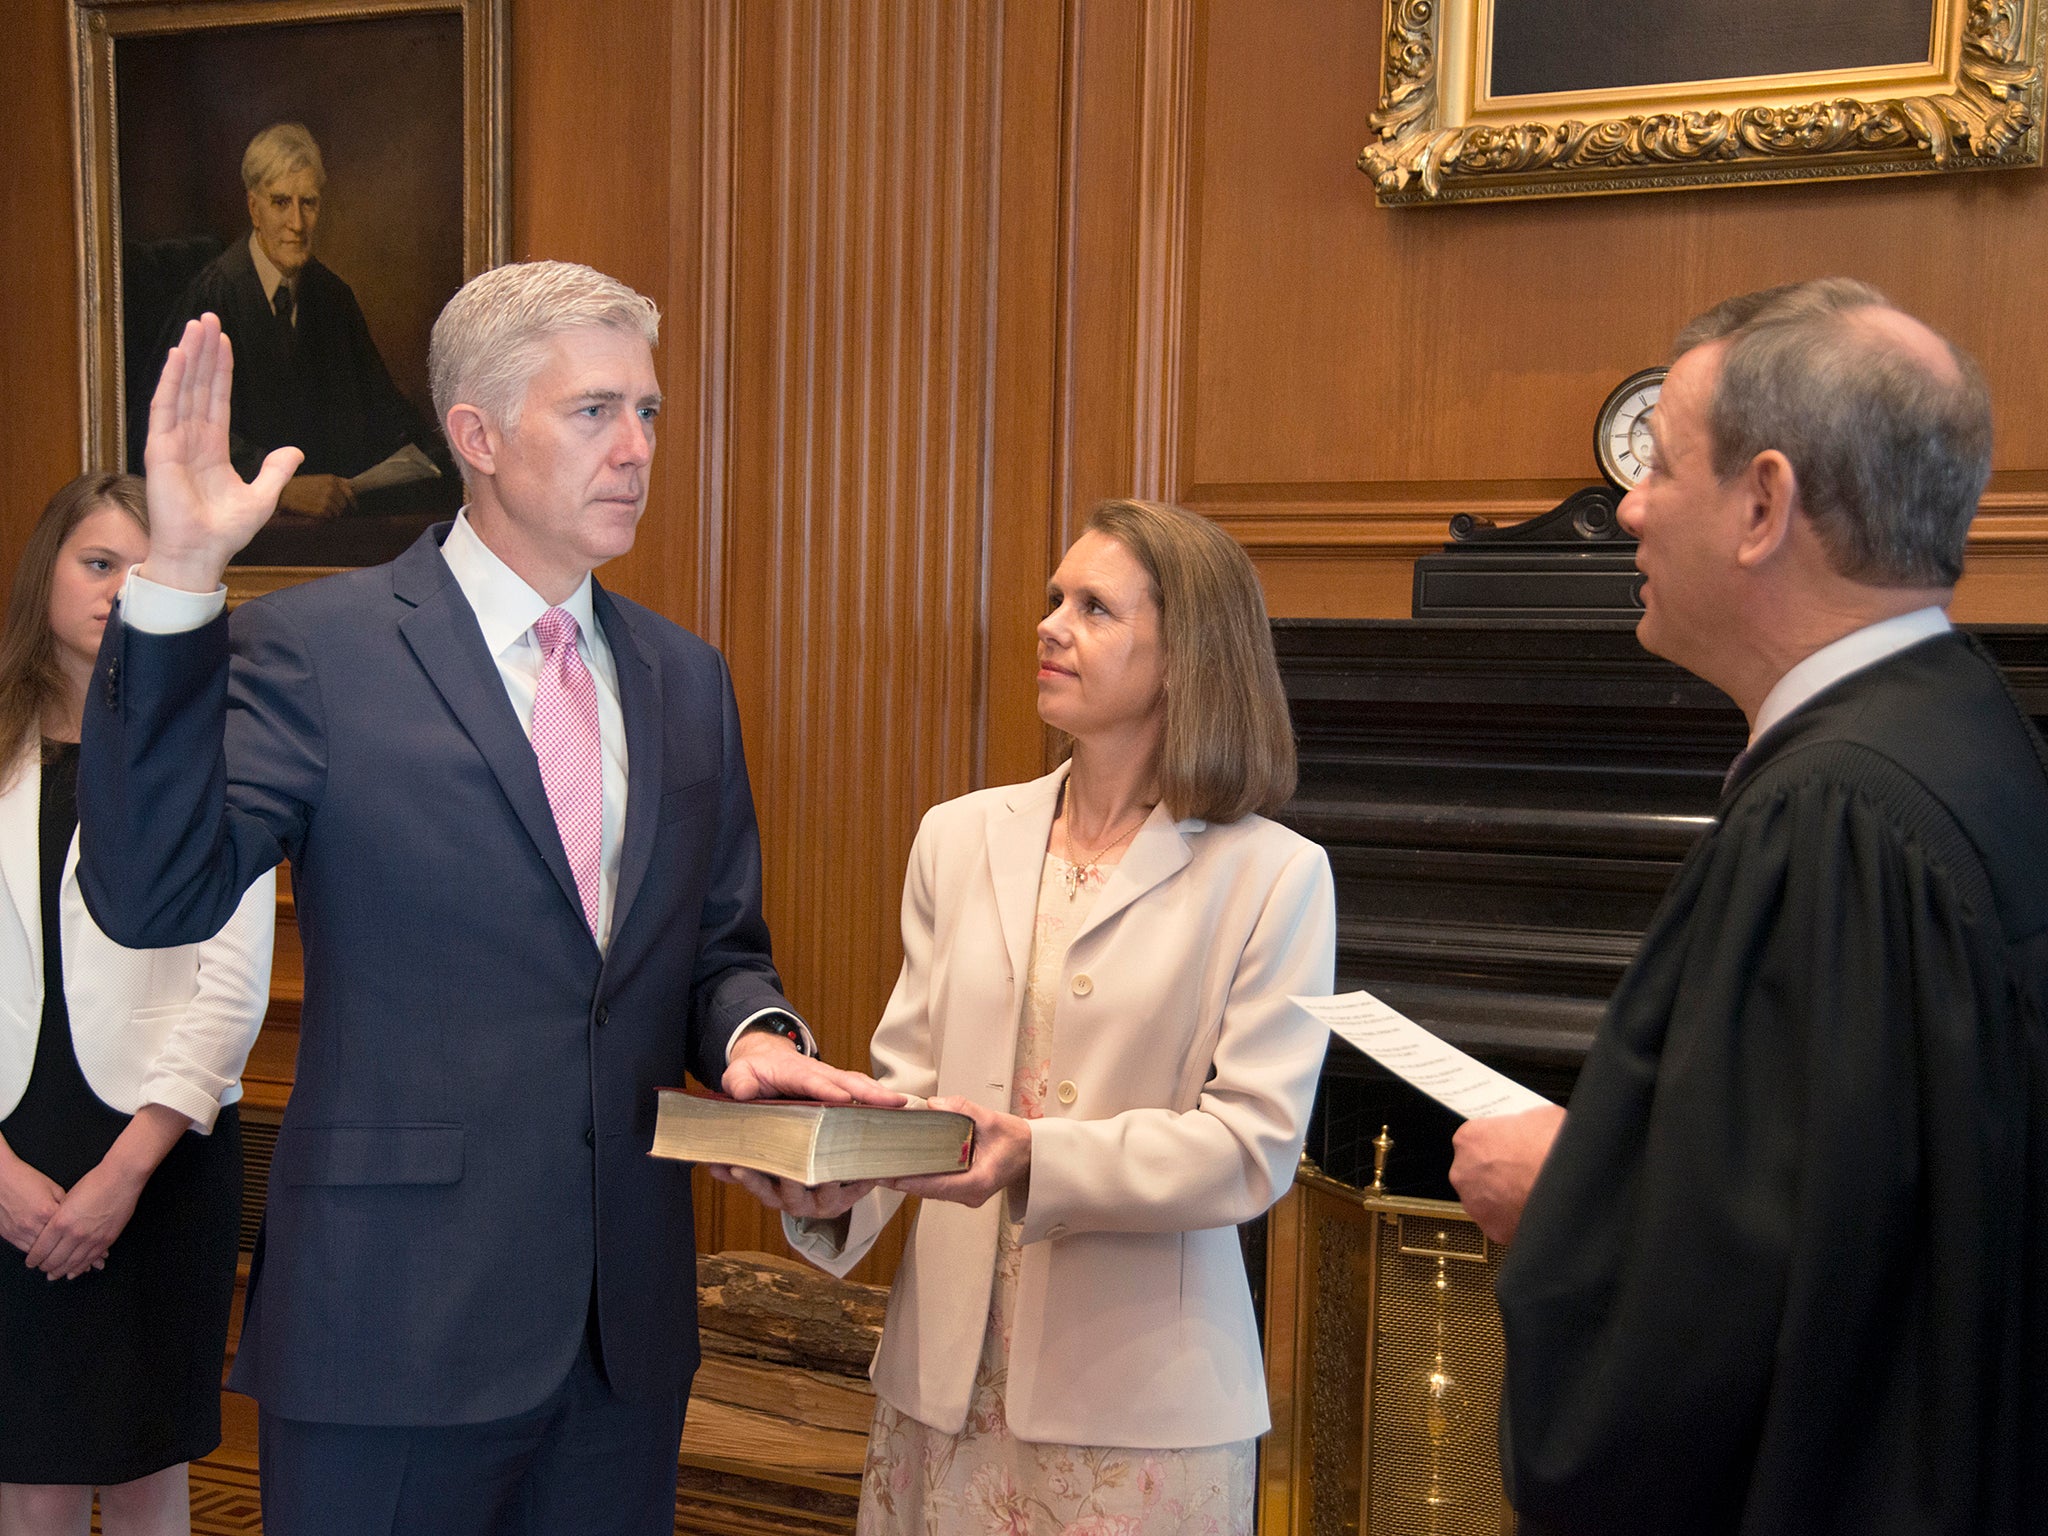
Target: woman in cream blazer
[1070,1336]
[120,1158]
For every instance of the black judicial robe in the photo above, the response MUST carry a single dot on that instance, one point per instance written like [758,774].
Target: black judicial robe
[321,387]
[1786,1268]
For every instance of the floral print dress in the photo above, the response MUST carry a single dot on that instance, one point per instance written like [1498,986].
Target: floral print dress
[921,1481]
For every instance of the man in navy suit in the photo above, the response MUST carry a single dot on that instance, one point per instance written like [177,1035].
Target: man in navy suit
[473,1305]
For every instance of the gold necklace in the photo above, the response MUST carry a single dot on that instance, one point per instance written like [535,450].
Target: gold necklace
[1078,870]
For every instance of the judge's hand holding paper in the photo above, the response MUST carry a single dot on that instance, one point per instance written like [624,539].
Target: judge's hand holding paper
[1507,1131]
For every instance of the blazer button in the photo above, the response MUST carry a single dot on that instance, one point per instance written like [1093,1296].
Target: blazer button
[1068,1092]
[1057,1229]
[589,1136]
[602,1016]
[1083,985]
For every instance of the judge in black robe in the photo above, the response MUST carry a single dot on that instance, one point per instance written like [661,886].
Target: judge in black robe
[1785,1266]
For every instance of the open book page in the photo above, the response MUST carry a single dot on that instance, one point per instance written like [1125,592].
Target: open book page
[1460,1083]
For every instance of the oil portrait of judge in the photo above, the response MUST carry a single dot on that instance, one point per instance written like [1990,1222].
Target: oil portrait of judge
[305,183]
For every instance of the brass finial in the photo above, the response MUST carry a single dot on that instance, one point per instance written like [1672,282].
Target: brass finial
[1382,1144]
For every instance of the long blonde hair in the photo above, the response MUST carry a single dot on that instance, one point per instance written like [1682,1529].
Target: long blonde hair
[31,681]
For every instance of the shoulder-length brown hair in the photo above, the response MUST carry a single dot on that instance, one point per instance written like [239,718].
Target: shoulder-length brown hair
[1229,744]
[31,682]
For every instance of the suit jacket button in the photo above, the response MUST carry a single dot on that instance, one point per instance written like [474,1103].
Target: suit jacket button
[1057,1229]
[602,1016]
[1083,985]
[589,1136]
[1068,1092]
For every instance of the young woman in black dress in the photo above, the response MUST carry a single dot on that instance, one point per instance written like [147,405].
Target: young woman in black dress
[120,1149]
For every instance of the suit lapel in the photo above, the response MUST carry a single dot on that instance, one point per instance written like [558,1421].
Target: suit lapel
[20,867]
[1159,850]
[443,634]
[1016,858]
[639,675]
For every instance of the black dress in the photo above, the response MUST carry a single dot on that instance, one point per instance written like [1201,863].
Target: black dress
[116,1374]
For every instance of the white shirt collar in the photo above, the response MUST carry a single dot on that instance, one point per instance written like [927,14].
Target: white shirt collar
[505,605]
[266,269]
[1827,666]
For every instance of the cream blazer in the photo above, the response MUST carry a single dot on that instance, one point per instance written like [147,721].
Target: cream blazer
[149,1026]
[1181,1084]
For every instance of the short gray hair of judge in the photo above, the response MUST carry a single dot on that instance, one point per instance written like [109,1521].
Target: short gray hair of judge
[278,151]
[493,336]
[1891,456]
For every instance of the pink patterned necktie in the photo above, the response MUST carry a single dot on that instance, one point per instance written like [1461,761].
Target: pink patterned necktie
[566,742]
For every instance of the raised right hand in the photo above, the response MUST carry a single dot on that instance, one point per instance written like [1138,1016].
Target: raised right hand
[201,512]
[28,1199]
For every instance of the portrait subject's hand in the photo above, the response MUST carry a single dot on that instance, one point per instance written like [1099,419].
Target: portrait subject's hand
[766,1066]
[1002,1158]
[317,496]
[1496,1163]
[28,1199]
[201,512]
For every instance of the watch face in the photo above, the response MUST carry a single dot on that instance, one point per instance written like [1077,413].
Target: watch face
[1621,431]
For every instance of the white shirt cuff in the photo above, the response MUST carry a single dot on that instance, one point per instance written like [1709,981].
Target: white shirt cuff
[761,1016]
[159,610]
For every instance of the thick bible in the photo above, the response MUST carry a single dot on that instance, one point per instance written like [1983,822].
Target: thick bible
[811,1143]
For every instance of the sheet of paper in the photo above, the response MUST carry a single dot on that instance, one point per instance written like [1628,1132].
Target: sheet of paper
[1458,1082]
[402,468]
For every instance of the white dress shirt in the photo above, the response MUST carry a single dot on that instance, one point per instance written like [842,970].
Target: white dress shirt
[1861,648]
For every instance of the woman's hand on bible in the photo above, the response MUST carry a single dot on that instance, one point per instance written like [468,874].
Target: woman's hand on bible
[806,1202]
[1002,1158]
[28,1199]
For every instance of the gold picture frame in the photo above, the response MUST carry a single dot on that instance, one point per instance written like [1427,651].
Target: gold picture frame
[408,99]
[1441,136]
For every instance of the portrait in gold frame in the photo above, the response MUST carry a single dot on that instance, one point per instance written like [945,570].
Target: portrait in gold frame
[1440,136]
[408,99]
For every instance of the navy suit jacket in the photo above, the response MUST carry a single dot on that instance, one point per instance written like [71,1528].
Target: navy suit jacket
[465,1152]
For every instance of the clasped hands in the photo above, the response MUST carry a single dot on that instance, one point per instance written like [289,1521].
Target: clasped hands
[64,1232]
[766,1066]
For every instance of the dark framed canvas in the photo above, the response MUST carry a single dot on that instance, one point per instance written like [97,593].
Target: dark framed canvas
[1494,99]
[405,100]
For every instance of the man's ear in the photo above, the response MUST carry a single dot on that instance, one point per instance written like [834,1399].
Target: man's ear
[472,438]
[1770,501]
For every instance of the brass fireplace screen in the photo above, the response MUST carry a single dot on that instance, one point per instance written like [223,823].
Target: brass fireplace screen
[1383,1357]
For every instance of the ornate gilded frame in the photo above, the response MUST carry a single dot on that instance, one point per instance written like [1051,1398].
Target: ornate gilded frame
[1974,104]
[98,27]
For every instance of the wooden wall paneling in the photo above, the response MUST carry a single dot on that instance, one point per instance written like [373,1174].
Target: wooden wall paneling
[41,405]
[1023,496]
[860,422]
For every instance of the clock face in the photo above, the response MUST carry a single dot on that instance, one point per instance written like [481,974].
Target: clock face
[1621,431]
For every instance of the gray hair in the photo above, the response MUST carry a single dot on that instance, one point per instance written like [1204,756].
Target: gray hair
[493,336]
[278,151]
[1891,454]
